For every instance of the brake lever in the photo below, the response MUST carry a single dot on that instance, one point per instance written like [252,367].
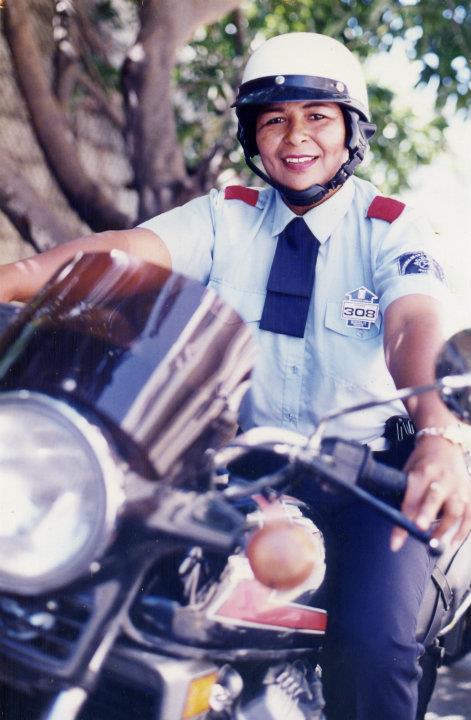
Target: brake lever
[435,547]
[336,477]
[324,465]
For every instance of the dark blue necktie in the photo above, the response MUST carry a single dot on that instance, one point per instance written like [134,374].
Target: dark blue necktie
[291,280]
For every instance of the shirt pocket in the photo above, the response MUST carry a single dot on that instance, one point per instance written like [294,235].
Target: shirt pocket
[334,321]
[248,304]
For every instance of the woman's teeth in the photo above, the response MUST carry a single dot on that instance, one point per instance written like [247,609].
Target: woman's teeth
[299,160]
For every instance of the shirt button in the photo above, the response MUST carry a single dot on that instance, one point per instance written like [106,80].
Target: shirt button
[295,370]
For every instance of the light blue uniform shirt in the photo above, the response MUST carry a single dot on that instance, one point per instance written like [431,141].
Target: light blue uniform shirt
[229,245]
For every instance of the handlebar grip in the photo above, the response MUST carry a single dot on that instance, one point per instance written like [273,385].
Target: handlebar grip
[382,480]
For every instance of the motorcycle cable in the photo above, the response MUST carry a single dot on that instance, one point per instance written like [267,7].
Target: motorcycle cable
[332,474]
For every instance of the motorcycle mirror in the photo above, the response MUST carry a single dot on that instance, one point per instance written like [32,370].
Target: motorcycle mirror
[453,373]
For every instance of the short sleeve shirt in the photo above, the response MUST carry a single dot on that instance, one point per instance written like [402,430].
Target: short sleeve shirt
[363,264]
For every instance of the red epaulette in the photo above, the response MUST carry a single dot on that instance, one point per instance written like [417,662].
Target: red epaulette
[385,208]
[239,192]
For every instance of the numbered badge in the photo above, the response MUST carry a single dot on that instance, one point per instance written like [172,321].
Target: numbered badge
[360,308]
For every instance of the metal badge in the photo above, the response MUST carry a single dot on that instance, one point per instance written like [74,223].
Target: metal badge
[360,309]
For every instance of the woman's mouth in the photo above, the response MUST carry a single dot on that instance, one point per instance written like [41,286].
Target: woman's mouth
[298,163]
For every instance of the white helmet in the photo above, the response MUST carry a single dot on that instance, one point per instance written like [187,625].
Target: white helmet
[305,66]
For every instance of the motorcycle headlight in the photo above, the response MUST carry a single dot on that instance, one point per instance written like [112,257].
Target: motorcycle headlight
[60,493]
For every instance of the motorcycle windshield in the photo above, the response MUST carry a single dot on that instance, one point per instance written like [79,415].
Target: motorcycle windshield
[156,354]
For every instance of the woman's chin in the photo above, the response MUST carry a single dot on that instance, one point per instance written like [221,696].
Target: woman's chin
[299,184]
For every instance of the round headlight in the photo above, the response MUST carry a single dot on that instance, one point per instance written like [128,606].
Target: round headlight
[60,493]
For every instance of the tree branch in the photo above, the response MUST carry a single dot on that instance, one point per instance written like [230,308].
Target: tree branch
[65,81]
[202,169]
[50,124]
[156,156]
[102,101]
[240,36]
[208,11]
[159,168]
[95,40]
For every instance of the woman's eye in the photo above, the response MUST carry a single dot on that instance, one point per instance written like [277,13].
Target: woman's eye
[317,116]
[267,122]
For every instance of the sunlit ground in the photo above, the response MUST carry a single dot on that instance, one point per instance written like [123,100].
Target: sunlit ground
[452,697]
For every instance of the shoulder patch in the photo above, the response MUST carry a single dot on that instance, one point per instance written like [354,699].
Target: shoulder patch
[385,208]
[239,192]
[419,262]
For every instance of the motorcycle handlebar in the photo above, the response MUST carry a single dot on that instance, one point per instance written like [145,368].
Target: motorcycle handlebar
[383,481]
[342,462]
[346,465]
[353,464]
[354,468]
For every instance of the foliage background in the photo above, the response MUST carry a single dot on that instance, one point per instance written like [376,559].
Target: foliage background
[123,106]
[435,34]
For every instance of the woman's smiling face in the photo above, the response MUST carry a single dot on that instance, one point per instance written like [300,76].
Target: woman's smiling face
[301,143]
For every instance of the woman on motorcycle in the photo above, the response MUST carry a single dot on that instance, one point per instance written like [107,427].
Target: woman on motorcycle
[346,296]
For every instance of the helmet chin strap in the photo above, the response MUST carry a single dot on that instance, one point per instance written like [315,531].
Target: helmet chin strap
[359,133]
[309,196]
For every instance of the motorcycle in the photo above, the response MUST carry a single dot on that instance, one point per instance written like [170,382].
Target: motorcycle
[127,584]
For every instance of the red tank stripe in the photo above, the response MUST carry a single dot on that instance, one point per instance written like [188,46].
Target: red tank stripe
[385,208]
[251,602]
[239,192]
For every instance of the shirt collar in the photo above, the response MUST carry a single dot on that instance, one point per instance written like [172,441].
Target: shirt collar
[321,220]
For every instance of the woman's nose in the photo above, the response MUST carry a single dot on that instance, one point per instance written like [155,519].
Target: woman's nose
[296,132]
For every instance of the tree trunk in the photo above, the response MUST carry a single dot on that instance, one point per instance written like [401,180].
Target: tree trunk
[161,178]
[28,212]
[51,127]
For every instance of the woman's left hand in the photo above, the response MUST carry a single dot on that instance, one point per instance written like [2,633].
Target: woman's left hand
[439,486]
